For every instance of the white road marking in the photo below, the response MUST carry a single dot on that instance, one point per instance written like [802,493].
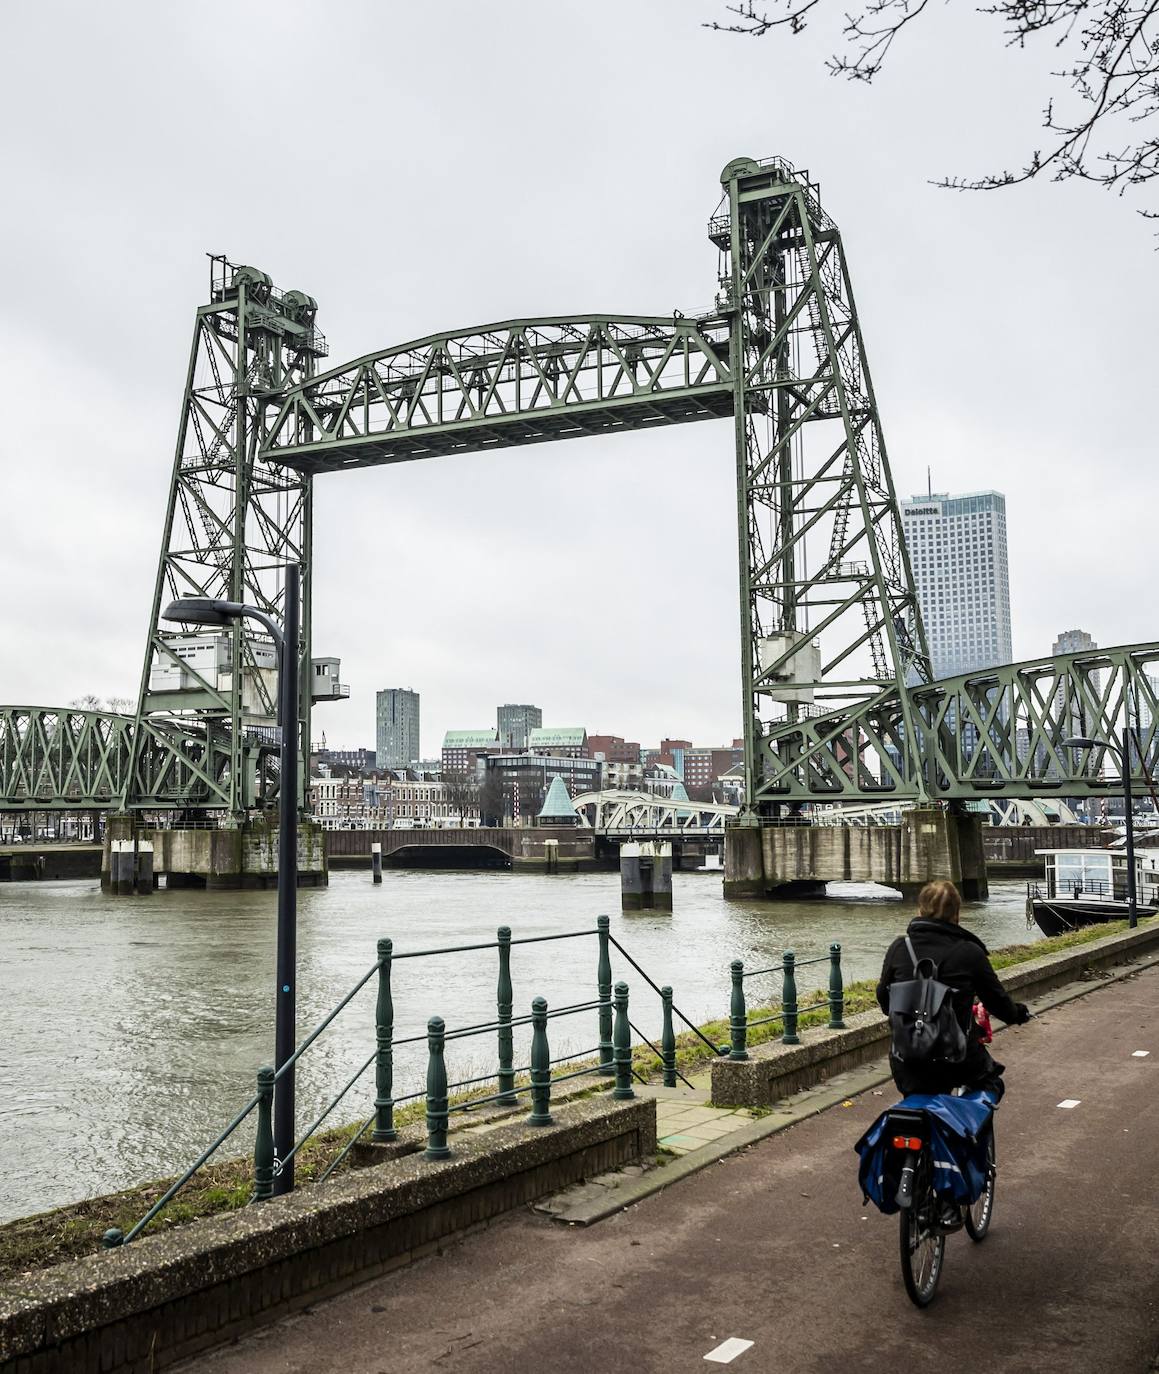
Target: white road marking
[1140,1054]
[727,1351]
[1069,1102]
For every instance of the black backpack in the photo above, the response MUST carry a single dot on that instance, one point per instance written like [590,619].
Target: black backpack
[923,1027]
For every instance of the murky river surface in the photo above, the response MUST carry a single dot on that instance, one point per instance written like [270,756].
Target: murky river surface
[131,1029]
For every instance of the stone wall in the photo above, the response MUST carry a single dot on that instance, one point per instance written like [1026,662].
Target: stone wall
[167,1297]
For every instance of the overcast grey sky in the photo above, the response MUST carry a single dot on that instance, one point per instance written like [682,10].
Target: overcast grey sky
[427,166]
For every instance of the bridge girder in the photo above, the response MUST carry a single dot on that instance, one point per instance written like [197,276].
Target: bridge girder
[501,385]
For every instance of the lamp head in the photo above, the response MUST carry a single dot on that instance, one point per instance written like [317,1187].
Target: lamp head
[202,610]
[1081,742]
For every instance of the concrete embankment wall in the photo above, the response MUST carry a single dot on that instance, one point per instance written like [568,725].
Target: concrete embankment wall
[162,1299]
[32,863]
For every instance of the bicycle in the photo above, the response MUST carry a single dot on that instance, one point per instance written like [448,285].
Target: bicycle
[926,1218]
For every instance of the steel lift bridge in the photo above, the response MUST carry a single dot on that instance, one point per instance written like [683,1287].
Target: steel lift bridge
[838,697]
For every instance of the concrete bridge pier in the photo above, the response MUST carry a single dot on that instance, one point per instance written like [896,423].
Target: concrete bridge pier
[646,876]
[783,861]
[244,856]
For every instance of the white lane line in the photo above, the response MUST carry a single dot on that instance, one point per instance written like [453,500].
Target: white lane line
[1069,1102]
[727,1351]
[1140,1054]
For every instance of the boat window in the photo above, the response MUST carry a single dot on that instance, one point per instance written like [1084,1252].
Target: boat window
[1083,868]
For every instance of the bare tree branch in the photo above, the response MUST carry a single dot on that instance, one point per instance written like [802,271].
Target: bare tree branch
[1104,129]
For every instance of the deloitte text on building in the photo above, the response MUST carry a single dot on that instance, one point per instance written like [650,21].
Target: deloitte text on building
[957,551]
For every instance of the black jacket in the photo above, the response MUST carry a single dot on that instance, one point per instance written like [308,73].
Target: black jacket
[961,962]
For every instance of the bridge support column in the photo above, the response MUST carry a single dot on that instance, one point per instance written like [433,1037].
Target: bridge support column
[744,869]
[239,857]
[646,876]
[943,844]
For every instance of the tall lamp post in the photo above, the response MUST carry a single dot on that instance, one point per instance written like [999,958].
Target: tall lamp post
[1123,754]
[204,610]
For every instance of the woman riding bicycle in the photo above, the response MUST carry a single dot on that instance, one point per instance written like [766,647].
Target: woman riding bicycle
[962,963]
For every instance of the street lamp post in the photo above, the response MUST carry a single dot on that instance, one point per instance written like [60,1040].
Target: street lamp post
[204,610]
[1123,754]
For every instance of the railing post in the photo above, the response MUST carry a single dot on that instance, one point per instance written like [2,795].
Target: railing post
[789,998]
[836,990]
[384,1060]
[504,998]
[604,993]
[540,1066]
[668,1040]
[264,1138]
[436,1091]
[738,1029]
[622,1046]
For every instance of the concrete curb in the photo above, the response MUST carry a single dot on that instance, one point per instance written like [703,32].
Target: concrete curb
[800,1107]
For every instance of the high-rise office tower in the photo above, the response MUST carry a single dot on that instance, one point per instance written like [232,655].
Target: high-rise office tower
[397,724]
[957,550]
[516,724]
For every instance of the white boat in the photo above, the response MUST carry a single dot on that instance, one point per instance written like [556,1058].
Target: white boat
[1083,887]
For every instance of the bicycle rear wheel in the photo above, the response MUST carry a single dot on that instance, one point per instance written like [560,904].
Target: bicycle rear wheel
[980,1213]
[923,1246]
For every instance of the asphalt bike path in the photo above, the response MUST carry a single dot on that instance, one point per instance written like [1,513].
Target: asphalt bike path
[768,1261]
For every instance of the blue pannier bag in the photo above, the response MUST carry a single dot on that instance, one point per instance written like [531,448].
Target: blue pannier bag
[959,1136]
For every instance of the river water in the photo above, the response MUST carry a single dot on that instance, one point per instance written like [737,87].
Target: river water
[131,1029]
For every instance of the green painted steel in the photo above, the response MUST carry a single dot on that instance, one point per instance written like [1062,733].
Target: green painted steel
[499,385]
[836,989]
[737,1013]
[789,998]
[622,1046]
[540,1066]
[505,999]
[837,697]
[384,1128]
[264,1137]
[437,1114]
[604,993]
[667,1039]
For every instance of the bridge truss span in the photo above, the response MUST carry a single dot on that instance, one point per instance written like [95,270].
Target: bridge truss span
[617,812]
[519,382]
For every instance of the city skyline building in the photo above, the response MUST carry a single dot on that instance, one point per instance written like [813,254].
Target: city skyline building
[958,555]
[396,727]
[516,723]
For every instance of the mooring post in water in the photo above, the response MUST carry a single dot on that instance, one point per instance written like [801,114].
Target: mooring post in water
[144,868]
[376,860]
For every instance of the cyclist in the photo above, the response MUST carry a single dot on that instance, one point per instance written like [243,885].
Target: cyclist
[962,963]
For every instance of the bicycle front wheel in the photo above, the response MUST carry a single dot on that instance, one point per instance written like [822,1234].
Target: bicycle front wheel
[980,1214]
[923,1247]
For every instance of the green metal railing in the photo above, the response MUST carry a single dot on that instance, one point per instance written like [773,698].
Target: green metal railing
[611,1056]
[788,1014]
